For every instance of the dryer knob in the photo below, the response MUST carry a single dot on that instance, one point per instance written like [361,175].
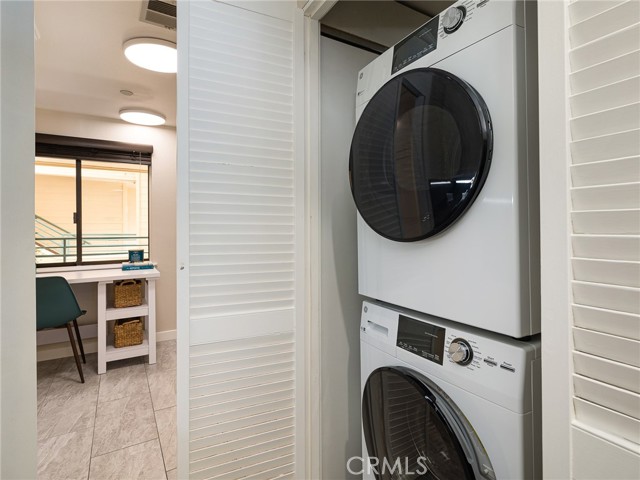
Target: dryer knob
[460,351]
[453,19]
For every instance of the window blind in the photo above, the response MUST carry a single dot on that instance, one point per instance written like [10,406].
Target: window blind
[604,81]
[60,146]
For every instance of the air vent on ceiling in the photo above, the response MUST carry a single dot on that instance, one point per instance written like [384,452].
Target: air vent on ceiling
[159,12]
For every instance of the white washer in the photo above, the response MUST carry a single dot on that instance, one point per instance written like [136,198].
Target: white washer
[444,171]
[459,402]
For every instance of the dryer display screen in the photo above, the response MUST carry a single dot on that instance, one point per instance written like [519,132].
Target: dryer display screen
[421,339]
[417,45]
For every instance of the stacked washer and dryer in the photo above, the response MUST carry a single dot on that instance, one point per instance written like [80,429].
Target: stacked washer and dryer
[443,169]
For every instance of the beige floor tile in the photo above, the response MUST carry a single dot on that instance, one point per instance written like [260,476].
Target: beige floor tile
[172,474]
[65,456]
[66,413]
[166,355]
[167,429]
[66,380]
[122,423]
[162,384]
[123,382]
[142,461]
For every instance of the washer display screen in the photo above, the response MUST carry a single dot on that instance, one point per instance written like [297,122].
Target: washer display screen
[421,339]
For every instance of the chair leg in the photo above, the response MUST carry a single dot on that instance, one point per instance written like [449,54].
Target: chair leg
[75,351]
[75,325]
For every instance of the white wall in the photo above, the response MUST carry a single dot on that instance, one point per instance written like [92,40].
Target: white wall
[162,208]
[339,300]
[17,282]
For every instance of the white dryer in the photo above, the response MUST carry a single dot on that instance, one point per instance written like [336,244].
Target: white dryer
[444,172]
[445,401]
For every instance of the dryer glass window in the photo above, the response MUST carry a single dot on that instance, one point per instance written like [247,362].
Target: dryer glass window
[420,154]
[403,426]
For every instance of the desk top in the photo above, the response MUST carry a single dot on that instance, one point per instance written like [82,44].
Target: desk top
[106,275]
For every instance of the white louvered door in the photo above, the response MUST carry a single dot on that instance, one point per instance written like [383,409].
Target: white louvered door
[240,410]
[604,80]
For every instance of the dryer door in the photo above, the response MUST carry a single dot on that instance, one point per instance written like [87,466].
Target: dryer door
[420,154]
[413,430]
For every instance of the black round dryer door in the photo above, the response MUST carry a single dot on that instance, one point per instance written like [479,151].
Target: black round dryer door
[413,431]
[420,154]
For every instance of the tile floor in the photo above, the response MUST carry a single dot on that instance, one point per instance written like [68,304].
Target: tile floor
[120,425]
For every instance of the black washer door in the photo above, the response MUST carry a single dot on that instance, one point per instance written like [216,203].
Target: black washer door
[420,154]
[402,421]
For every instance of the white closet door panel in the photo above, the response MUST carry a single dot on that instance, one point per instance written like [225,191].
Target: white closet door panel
[606,122]
[247,320]
[222,200]
[618,399]
[608,371]
[239,209]
[237,444]
[246,19]
[604,98]
[606,147]
[241,269]
[606,172]
[621,222]
[226,457]
[262,129]
[607,420]
[260,464]
[277,39]
[607,321]
[605,73]
[241,402]
[623,299]
[240,413]
[606,197]
[614,45]
[613,272]
[604,23]
[238,106]
[242,288]
[202,447]
[241,119]
[579,11]
[283,347]
[608,247]
[619,349]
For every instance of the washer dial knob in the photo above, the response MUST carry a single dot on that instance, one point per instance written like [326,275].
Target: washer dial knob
[460,351]
[453,19]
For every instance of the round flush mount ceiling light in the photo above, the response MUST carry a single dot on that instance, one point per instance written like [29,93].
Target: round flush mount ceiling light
[152,53]
[141,116]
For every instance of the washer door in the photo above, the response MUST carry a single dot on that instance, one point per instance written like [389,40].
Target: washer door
[420,154]
[411,424]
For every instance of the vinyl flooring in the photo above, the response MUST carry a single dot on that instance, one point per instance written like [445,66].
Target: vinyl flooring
[120,425]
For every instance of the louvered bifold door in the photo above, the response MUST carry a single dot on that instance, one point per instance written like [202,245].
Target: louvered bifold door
[605,173]
[240,178]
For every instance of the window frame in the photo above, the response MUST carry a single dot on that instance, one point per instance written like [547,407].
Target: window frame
[84,149]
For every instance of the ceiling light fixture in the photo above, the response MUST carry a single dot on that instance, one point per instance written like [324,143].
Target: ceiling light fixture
[152,53]
[142,116]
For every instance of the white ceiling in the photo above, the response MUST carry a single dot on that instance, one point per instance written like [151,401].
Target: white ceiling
[80,66]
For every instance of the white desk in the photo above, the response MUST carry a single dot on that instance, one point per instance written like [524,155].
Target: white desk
[106,351]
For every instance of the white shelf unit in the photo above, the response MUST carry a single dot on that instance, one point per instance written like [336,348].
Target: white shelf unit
[106,350]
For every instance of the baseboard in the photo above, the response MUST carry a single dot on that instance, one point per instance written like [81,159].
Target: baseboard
[55,344]
[165,335]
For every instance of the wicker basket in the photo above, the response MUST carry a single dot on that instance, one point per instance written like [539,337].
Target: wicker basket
[127,293]
[127,332]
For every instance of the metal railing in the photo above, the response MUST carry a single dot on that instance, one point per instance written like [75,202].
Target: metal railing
[95,247]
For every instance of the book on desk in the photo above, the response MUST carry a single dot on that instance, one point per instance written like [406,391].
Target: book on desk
[137,265]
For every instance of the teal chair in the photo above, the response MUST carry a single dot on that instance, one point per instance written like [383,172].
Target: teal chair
[56,307]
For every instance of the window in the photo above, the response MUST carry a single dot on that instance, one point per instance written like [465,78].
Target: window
[91,202]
